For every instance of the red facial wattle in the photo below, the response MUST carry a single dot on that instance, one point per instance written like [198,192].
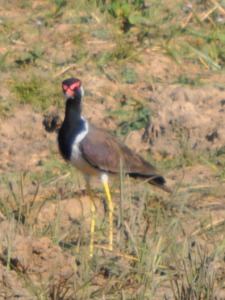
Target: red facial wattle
[71,89]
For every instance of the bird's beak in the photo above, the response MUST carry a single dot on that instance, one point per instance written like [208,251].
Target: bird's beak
[67,91]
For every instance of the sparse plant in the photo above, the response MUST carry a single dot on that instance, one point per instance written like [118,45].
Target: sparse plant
[197,280]
[133,115]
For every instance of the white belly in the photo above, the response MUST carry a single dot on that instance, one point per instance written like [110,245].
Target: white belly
[80,163]
[76,158]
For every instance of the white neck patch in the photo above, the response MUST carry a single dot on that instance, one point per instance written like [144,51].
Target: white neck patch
[83,133]
[76,158]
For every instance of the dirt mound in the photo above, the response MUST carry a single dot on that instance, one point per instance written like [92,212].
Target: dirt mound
[24,141]
[184,117]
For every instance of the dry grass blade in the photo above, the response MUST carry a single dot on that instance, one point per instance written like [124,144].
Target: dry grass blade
[218,6]
[66,69]
[185,23]
[208,13]
[208,227]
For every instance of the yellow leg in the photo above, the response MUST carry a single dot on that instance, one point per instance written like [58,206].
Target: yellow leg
[110,204]
[93,218]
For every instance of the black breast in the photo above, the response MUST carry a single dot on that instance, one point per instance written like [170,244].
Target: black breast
[67,137]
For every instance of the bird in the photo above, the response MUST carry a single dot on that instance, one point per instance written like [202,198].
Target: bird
[96,152]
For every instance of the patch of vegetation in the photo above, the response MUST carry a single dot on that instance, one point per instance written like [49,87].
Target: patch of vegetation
[132,114]
[36,92]
[124,12]
[6,108]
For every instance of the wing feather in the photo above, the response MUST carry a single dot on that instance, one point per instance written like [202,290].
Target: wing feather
[105,152]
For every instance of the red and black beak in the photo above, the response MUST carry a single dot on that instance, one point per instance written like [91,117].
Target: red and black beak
[67,91]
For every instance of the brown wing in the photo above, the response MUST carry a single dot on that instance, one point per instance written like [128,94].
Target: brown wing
[106,153]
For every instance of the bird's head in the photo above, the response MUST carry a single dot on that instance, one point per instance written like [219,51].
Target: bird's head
[72,88]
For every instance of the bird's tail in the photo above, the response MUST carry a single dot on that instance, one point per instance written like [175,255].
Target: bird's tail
[160,182]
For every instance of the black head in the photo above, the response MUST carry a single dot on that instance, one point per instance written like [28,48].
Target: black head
[72,87]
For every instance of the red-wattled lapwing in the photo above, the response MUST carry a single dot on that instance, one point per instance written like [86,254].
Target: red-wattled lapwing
[96,152]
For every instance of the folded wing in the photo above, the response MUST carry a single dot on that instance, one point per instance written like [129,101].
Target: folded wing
[106,153]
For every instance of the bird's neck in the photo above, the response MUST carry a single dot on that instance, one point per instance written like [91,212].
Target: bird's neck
[73,125]
[73,113]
